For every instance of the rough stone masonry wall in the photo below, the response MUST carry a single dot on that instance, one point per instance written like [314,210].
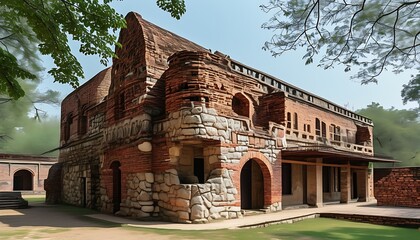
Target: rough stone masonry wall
[202,122]
[162,194]
[398,186]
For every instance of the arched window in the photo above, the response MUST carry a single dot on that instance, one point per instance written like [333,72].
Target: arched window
[67,126]
[295,122]
[289,120]
[240,105]
[317,127]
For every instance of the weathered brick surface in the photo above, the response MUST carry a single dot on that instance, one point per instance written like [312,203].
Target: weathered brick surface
[172,104]
[398,186]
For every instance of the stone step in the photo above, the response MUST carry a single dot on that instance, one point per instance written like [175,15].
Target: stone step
[10,200]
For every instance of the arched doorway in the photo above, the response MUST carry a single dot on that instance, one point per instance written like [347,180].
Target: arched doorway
[23,181]
[252,186]
[116,186]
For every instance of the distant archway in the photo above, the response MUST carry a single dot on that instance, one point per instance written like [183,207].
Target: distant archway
[23,181]
[116,185]
[252,186]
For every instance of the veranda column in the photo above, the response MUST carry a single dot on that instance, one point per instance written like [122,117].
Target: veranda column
[345,184]
[314,183]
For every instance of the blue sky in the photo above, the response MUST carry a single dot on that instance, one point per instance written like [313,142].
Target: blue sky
[233,27]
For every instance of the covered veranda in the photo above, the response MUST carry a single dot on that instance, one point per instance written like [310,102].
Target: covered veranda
[315,175]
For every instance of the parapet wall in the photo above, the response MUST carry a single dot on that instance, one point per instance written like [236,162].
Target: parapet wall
[398,186]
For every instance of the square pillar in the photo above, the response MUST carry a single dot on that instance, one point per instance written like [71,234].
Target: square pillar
[363,185]
[314,184]
[345,173]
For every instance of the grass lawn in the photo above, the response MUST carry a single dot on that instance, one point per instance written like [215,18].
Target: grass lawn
[34,198]
[319,228]
[310,229]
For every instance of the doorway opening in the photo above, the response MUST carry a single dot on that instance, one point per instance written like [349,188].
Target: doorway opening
[252,186]
[354,191]
[116,186]
[23,181]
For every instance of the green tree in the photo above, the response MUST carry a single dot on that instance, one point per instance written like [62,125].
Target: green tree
[396,133]
[29,26]
[372,35]
[25,127]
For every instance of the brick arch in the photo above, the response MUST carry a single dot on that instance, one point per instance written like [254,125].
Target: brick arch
[26,169]
[24,181]
[266,169]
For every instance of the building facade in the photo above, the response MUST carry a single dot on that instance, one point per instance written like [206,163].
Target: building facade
[24,173]
[176,131]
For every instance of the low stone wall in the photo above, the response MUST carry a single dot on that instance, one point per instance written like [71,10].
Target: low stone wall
[380,220]
[163,195]
[397,186]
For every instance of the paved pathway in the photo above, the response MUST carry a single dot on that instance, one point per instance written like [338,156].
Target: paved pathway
[352,208]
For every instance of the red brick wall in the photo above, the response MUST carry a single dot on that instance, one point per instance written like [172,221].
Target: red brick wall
[81,100]
[397,186]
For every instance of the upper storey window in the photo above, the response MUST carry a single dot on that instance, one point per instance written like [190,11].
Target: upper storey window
[335,133]
[240,105]
[295,122]
[119,106]
[320,128]
[289,120]
[67,126]
[317,127]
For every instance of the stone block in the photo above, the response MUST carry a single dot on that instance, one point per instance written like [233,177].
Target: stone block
[183,203]
[147,209]
[208,118]
[188,132]
[143,196]
[196,200]
[184,193]
[163,196]
[192,119]
[183,215]
[149,177]
[199,212]
[145,147]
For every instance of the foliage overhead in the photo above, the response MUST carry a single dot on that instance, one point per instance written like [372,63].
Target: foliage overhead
[373,35]
[46,25]
[175,7]
[396,133]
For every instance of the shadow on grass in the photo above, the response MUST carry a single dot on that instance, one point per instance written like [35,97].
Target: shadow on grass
[41,214]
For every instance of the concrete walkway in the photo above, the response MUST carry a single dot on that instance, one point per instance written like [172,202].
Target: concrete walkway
[352,208]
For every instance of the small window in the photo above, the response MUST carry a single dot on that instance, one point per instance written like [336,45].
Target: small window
[67,126]
[317,127]
[295,122]
[324,130]
[289,120]
[83,124]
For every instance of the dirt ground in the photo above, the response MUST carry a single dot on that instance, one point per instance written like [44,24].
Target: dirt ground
[42,221]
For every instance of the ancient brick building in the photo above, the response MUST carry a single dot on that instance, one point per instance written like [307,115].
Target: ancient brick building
[176,131]
[24,172]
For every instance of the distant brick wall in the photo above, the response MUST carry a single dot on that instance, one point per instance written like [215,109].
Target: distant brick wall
[398,186]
